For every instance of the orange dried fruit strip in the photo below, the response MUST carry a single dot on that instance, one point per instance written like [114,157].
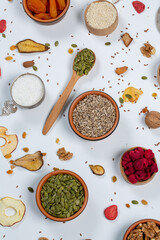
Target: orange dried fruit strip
[61,4]
[36,6]
[13,47]
[9,58]
[44,16]
[121,70]
[45,2]
[53,8]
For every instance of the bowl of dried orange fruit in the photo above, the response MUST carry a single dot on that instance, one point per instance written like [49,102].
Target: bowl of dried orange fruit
[46,11]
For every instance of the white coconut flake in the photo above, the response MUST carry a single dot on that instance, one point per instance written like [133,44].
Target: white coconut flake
[27,90]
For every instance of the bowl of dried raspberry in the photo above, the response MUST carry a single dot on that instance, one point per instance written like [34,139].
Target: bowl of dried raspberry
[138,165]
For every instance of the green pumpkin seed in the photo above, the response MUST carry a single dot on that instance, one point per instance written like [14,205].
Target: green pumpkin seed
[121,100]
[35,68]
[135,202]
[144,77]
[107,43]
[56,43]
[128,96]
[47,44]
[30,189]
[74,45]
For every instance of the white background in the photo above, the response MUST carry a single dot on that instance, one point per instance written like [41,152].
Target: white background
[91,223]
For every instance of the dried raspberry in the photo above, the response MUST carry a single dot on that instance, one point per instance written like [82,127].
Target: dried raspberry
[140,175]
[126,157]
[132,179]
[141,151]
[150,162]
[140,164]
[111,212]
[138,6]
[149,154]
[134,154]
[130,169]
[2,25]
[154,168]
[147,174]
[124,164]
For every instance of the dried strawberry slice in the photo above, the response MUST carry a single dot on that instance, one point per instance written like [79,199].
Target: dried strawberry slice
[2,25]
[138,6]
[111,212]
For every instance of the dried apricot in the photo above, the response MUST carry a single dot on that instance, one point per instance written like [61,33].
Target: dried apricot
[13,47]
[36,6]
[53,8]
[9,58]
[44,16]
[61,4]
[8,156]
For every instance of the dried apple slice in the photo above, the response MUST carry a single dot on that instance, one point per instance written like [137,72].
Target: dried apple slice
[30,46]
[11,141]
[32,162]
[97,169]
[17,205]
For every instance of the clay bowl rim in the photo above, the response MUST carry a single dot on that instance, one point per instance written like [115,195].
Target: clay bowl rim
[82,96]
[39,188]
[139,222]
[125,176]
[43,20]
[99,31]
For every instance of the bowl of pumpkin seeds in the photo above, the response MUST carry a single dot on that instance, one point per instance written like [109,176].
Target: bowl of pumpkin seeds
[62,195]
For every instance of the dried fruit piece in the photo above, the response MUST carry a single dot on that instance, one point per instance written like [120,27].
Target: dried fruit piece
[28,64]
[44,154]
[111,212]
[30,189]
[61,4]
[29,46]
[8,156]
[53,8]
[147,50]
[57,140]
[43,238]
[10,171]
[121,70]
[13,47]
[114,179]
[44,16]
[24,135]
[55,169]
[9,58]
[154,95]
[128,205]
[158,74]
[131,94]
[144,202]
[70,50]
[127,39]
[15,204]
[152,119]
[36,6]
[11,142]
[135,202]
[138,6]
[3,26]
[97,169]
[32,162]
[26,149]
[63,154]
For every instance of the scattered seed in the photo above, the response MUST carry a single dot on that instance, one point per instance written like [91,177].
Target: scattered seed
[135,202]
[121,100]
[128,205]
[154,95]
[114,179]
[24,135]
[70,50]
[74,45]
[128,96]
[57,140]
[3,35]
[47,44]
[35,68]
[30,189]
[144,202]
[144,77]
[56,43]
[26,149]
[107,43]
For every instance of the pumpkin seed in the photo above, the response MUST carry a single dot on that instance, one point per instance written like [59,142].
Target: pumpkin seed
[35,68]
[3,35]
[144,77]
[47,44]
[30,189]
[107,43]
[135,202]
[56,43]
[128,96]
[121,100]
[74,45]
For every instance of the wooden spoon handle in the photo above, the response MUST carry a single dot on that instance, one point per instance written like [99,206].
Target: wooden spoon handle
[60,103]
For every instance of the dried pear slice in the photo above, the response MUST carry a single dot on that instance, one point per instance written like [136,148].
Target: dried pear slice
[97,169]
[17,205]
[30,46]
[32,162]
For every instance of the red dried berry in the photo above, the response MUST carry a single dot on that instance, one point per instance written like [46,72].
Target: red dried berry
[2,25]
[140,175]
[149,154]
[138,6]
[141,151]
[134,155]
[154,168]
[141,164]
[111,212]
[124,164]
[126,157]
[132,179]
[130,169]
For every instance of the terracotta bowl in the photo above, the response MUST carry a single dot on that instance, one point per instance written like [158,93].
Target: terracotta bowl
[42,182]
[50,21]
[104,31]
[82,96]
[139,222]
[125,176]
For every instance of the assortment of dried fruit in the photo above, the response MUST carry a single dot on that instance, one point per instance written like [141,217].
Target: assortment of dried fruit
[139,164]
[62,195]
[46,9]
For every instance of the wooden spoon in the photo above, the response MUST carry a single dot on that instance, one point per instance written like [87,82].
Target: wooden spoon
[61,101]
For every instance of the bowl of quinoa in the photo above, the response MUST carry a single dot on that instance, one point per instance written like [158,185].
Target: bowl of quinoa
[94,115]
